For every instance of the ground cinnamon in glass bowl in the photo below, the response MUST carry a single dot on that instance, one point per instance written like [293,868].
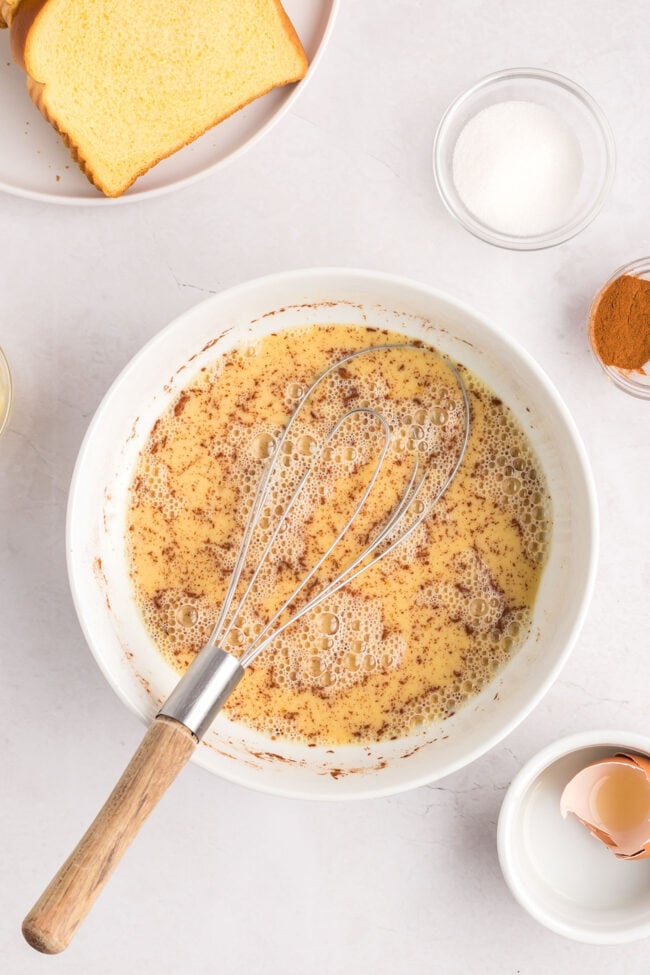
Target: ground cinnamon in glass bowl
[619,328]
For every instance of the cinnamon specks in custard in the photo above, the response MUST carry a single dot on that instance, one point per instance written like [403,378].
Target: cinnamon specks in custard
[409,642]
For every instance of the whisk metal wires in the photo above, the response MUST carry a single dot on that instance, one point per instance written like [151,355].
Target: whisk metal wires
[407,445]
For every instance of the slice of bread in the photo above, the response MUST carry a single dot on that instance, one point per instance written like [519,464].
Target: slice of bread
[7,10]
[128,83]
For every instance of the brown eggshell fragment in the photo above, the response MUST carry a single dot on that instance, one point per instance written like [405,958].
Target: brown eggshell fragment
[628,844]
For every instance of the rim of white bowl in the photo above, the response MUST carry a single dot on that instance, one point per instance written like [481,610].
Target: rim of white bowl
[358,275]
[511,806]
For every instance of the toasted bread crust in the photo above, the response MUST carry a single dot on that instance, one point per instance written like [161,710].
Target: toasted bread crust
[21,25]
[24,16]
[23,20]
[7,12]
[292,36]
[36,90]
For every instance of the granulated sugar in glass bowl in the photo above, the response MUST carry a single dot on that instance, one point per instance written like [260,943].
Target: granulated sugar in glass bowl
[524,159]
[517,167]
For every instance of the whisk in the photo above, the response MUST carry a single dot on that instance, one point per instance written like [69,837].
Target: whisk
[410,458]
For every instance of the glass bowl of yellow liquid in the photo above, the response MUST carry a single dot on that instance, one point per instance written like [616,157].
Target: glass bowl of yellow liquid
[5,392]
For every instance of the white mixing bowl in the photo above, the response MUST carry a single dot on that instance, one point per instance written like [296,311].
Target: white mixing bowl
[98,503]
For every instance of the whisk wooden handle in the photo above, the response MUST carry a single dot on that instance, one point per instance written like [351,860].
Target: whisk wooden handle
[164,750]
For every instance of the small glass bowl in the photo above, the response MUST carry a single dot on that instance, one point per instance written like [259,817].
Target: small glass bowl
[6,392]
[579,111]
[635,383]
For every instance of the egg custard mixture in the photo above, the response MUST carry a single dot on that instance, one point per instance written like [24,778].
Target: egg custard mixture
[409,641]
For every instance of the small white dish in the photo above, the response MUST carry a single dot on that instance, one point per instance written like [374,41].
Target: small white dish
[34,163]
[562,875]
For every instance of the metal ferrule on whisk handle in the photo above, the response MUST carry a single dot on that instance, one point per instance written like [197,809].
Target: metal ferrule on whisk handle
[206,685]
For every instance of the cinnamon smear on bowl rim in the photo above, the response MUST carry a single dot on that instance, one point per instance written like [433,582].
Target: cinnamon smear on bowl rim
[620,324]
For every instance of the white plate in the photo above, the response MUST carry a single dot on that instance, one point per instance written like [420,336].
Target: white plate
[35,163]
[96,525]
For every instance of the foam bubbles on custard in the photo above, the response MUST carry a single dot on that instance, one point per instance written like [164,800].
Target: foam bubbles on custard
[180,622]
[350,645]
[152,487]
[509,474]
[339,644]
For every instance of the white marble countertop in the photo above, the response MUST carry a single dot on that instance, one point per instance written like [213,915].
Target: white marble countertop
[223,879]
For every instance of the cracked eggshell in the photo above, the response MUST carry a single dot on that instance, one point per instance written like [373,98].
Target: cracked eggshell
[578,795]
